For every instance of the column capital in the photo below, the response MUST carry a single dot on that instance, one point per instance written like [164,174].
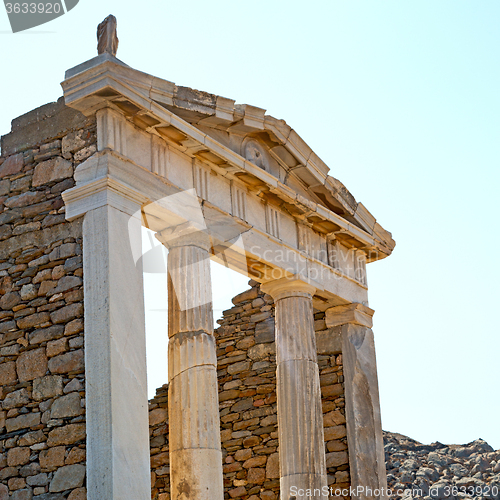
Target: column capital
[187,234]
[290,287]
[103,179]
[355,313]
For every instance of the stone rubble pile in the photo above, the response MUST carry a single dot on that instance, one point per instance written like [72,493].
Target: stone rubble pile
[441,471]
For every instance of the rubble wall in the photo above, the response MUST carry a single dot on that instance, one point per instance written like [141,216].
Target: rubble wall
[42,380]
[247,401]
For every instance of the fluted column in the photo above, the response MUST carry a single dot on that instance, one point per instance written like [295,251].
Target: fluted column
[300,416]
[194,432]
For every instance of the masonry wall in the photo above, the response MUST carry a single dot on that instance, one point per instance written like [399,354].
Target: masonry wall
[247,396]
[42,386]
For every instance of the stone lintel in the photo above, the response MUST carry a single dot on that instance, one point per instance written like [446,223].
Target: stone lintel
[355,313]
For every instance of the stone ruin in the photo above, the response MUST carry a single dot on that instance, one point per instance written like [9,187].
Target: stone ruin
[282,398]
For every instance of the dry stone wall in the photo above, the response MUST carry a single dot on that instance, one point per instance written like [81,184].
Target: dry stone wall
[246,361]
[42,385]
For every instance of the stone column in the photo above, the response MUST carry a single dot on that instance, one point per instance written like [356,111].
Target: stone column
[193,403]
[300,416]
[118,461]
[364,426]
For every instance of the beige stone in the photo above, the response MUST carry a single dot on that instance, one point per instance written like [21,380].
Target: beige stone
[55,169]
[67,477]
[66,406]
[157,416]
[78,494]
[22,421]
[67,313]
[47,387]
[68,434]
[337,432]
[69,362]
[31,364]
[7,373]
[273,467]
[12,165]
[18,456]
[336,458]
[56,347]
[15,399]
[52,458]
[75,456]
[33,320]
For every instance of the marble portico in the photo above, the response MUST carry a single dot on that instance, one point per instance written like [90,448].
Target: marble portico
[214,180]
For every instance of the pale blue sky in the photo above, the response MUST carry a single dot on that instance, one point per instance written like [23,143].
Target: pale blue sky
[401,100]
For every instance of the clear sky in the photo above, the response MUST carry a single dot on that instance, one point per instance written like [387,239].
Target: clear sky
[401,100]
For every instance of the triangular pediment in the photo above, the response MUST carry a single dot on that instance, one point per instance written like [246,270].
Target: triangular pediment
[240,140]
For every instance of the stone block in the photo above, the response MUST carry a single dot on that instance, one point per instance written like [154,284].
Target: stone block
[69,362]
[15,399]
[256,476]
[68,434]
[46,334]
[31,438]
[18,456]
[337,432]
[63,251]
[264,331]
[337,458]
[242,366]
[33,320]
[273,466]
[47,387]
[80,494]
[55,347]
[355,313]
[31,364]
[4,492]
[22,495]
[75,456]
[10,300]
[52,458]
[67,478]
[66,406]
[55,169]
[12,165]
[67,313]
[22,421]
[157,416]
[329,341]
[333,418]
[38,480]
[72,142]
[7,373]
[261,351]
[29,292]
[245,296]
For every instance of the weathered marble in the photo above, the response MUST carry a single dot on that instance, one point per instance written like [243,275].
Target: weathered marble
[195,448]
[300,417]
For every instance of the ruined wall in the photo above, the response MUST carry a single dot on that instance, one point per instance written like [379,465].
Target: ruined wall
[247,396]
[42,386]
